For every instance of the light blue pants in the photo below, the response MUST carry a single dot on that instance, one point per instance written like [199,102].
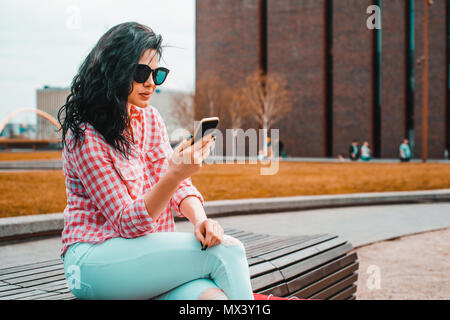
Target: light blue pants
[163,266]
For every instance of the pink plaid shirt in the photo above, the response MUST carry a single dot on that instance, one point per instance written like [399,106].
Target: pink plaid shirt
[105,191]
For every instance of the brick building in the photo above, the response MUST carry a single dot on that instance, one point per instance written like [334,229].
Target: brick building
[347,81]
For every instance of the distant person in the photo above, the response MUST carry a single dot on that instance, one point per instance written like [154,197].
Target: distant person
[280,152]
[365,152]
[281,146]
[354,150]
[405,151]
[269,148]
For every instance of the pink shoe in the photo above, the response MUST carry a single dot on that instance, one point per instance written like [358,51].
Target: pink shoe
[259,296]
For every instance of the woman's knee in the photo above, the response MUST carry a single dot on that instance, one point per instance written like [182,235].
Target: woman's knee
[213,294]
[228,241]
[229,248]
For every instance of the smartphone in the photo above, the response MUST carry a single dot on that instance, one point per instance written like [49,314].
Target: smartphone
[204,125]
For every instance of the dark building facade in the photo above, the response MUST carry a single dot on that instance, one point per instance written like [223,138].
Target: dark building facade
[346,81]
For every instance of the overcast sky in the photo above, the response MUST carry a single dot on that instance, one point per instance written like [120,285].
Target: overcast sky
[44,42]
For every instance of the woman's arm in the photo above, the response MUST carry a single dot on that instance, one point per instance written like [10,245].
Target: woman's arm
[159,196]
[192,208]
[207,231]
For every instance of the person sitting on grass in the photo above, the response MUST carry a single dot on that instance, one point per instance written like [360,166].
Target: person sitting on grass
[125,183]
[365,152]
[353,150]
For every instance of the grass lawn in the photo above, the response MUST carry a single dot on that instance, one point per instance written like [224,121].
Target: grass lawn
[37,155]
[36,192]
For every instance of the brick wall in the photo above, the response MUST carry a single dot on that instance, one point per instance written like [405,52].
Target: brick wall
[227,38]
[296,48]
[393,66]
[352,74]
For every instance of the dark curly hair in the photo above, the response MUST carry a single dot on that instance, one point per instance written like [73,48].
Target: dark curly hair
[99,92]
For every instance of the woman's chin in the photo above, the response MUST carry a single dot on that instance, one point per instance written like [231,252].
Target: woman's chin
[140,103]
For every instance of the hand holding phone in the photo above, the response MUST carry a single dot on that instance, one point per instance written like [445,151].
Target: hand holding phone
[204,125]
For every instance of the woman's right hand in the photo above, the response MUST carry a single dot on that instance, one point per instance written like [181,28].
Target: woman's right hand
[187,159]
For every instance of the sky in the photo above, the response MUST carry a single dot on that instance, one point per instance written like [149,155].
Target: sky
[44,42]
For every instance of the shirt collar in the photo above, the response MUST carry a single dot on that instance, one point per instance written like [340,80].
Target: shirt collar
[135,113]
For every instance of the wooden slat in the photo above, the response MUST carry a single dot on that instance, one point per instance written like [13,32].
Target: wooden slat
[51,286]
[320,272]
[311,263]
[296,247]
[31,266]
[266,280]
[65,296]
[45,296]
[326,282]
[251,249]
[7,277]
[35,276]
[275,245]
[254,260]
[15,291]
[234,233]
[335,288]
[5,289]
[307,252]
[279,290]
[243,235]
[230,231]
[21,295]
[42,281]
[345,294]
[253,239]
[261,268]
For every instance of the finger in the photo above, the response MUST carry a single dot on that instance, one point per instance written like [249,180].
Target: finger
[208,231]
[199,236]
[185,143]
[182,145]
[201,154]
[216,238]
[202,142]
[207,151]
[205,154]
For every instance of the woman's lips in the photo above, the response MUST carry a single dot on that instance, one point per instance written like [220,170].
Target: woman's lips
[145,95]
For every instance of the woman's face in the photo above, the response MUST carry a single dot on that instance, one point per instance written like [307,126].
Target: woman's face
[142,92]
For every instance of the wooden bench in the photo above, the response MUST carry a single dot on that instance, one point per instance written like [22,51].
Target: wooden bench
[317,267]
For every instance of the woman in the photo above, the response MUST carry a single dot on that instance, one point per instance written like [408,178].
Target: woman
[125,183]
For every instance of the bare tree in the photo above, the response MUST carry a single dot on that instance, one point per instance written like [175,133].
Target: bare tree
[268,99]
[207,95]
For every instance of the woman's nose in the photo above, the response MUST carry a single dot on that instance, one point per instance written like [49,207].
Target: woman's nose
[149,82]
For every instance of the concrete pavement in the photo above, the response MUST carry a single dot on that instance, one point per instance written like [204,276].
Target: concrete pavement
[359,225]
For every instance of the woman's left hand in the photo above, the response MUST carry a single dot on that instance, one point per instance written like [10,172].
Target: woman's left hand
[209,233]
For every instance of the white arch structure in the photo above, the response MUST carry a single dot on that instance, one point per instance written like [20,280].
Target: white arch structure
[40,113]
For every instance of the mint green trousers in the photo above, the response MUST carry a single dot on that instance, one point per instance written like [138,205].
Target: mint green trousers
[162,266]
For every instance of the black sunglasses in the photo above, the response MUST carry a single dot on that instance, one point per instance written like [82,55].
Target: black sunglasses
[143,71]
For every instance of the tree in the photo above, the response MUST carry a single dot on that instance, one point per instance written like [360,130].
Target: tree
[268,100]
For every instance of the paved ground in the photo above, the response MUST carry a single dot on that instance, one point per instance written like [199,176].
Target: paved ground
[359,225]
[412,267]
